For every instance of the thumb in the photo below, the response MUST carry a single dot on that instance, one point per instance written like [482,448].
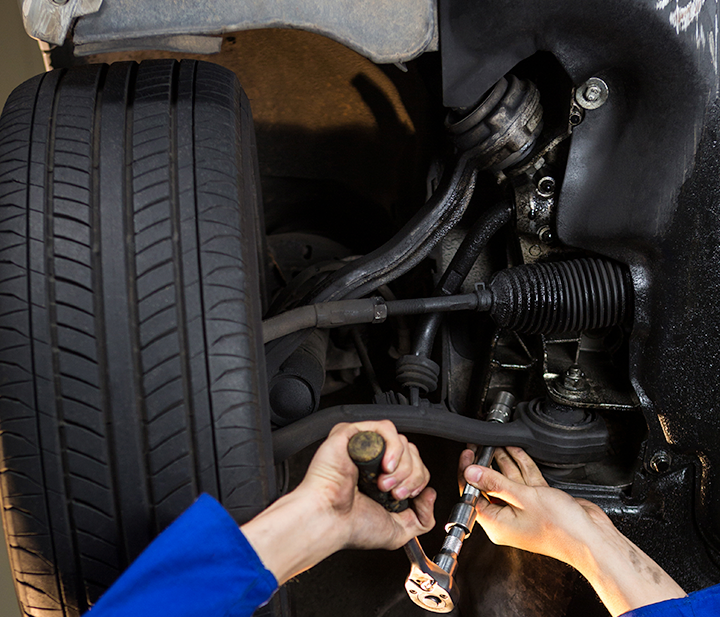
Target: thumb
[417,520]
[495,484]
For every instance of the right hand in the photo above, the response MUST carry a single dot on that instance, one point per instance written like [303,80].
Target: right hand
[547,521]
[537,518]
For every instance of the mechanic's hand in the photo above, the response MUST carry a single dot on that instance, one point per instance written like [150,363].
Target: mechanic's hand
[326,512]
[332,478]
[537,518]
[548,521]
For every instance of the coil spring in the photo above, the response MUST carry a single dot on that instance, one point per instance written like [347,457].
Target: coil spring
[569,296]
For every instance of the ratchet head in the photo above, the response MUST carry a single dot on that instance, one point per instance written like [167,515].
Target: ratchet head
[428,585]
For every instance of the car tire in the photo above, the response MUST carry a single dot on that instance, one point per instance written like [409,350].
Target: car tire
[131,361]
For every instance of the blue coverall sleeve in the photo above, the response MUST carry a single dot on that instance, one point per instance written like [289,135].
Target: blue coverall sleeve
[201,565]
[703,603]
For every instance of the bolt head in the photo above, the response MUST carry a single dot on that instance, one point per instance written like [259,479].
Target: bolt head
[660,461]
[592,94]
[546,186]
[545,234]
[535,251]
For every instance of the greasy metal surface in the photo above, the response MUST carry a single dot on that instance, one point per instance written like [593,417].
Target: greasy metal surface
[642,185]
[600,355]
[383,30]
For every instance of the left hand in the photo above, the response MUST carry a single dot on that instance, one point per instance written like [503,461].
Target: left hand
[332,479]
[327,512]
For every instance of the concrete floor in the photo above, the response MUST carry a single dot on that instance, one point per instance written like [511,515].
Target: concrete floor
[21,59]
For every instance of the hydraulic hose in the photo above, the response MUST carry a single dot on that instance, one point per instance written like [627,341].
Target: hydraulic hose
[462,262]
[367,310]
[404,251]
[410,245]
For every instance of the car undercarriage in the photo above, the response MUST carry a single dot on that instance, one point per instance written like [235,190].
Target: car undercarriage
[411,213]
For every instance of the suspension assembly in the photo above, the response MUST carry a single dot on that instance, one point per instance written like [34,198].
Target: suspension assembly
[497,133]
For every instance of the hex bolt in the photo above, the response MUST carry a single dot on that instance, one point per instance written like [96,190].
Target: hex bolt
[546,186]
[660,461]
[592,94]
[545,234]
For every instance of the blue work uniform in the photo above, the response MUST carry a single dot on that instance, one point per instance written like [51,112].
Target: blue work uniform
[202,566]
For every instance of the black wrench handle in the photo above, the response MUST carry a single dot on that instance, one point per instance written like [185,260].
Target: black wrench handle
[366,449]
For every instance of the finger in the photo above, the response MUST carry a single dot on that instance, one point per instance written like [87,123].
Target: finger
[466,459]
[403,469]
[416,521]
[530,472]
[423,505]
[508,466]
[394,443]
[496,485]
[417,478]
[487,511]
[332,457]
[494,520]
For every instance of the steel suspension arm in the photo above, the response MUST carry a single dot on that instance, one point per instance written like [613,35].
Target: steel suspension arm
[541,442]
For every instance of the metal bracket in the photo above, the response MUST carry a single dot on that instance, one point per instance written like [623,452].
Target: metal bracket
[50,20]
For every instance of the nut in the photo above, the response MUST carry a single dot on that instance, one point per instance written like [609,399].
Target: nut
[574,379]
